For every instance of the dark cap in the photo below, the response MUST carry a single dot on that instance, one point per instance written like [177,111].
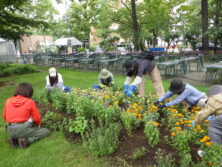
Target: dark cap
[214,90]
[177,86]
[128,65]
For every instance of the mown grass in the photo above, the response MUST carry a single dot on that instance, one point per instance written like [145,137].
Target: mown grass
[54,150]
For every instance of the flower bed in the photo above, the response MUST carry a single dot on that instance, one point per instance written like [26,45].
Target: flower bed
[107,120]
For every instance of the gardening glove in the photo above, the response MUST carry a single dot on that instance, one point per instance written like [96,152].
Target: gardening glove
[160,107]
[101,85]
[156,103]
[210,117]
[126,87]
[131,90]
[193,123]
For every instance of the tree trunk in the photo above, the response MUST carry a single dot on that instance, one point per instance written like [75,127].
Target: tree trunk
[204,12]
[136,31]
[216,23]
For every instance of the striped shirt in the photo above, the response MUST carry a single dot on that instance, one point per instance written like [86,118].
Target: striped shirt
[213,107]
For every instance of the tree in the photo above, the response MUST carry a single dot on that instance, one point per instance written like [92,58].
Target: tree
[204,14]
[14,21]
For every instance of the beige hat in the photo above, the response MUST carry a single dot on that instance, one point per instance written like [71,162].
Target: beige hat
[214,90]
[52,72]
[105,73]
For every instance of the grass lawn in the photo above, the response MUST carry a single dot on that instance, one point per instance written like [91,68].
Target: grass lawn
[53,150]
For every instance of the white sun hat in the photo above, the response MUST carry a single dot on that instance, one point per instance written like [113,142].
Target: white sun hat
[52,72]
[105,73]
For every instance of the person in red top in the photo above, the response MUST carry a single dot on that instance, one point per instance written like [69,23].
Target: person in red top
[22,118]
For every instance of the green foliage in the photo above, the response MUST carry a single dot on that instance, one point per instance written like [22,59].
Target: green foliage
[152,133]
[81,50]
[15,22]
[130,121]
[70,107]
[43,97]
[52,120]
[102,140]
[139,152]
[186,160]
[83,107]
[163,161]
[79,125]
[107,44]
[58,99]
[212,155]
[10,69]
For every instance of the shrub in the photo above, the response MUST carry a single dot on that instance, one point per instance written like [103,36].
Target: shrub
[58,99]
[129,121]
[152,133]
[163,161]
[103,140]
[9,69]
[79,125]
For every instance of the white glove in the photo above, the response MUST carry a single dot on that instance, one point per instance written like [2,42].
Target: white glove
[127,81]
[137,81]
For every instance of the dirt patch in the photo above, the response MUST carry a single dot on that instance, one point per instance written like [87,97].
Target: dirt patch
[137,140]
[7,83]
[2,84]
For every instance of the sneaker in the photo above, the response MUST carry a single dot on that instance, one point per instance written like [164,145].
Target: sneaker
[12,142]
[23,143]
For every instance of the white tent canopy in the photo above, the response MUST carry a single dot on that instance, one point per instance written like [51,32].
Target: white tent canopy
[64,42]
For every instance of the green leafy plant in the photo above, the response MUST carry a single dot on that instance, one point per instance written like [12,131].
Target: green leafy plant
[163,161]
[152,133]
[139,152]
[58,99]
[129,121]
[103,140]
[79,125]
[52,120]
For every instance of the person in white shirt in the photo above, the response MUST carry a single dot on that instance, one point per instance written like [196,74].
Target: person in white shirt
[54,80]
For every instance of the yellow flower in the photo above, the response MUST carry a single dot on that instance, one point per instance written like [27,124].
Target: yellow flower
[180,115]
[202,131]
[177,123]
[198,127]
[155,123]
[208,143]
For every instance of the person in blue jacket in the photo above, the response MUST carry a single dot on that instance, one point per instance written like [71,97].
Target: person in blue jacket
[185,92]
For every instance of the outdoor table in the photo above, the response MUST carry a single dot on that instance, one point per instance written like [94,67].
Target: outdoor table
[169,66]
[106,62]
[72,60]
[84,62]
[213,71]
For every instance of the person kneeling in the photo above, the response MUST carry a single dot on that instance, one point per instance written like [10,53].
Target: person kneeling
[22,118]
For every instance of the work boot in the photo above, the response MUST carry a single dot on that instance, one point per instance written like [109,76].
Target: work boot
[23,143]
[12,142]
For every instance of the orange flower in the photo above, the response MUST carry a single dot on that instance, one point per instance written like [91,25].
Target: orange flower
[173,134]
[208,143]
[195,130]
[177,123]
